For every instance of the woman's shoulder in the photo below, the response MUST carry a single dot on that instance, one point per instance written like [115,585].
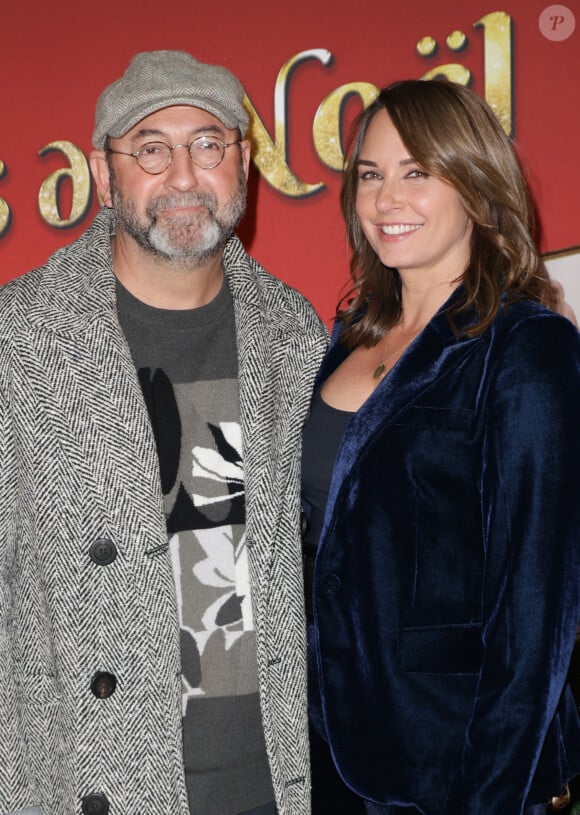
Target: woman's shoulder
[530,318]
[535,343]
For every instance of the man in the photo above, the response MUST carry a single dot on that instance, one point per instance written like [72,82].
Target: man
[153,384]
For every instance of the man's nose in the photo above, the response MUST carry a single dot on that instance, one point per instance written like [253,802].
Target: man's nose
[182,173]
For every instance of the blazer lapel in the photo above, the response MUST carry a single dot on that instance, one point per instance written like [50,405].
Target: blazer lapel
[430,355]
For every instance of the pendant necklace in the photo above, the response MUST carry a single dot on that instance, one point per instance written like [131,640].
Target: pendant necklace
[380,370]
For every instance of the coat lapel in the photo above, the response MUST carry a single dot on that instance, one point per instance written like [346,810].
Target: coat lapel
[277,362]
[257,409]
[94,383]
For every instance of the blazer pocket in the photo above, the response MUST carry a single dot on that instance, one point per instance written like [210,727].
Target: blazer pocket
[441,649]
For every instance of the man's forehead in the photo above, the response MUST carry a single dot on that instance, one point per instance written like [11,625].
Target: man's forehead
[178,117]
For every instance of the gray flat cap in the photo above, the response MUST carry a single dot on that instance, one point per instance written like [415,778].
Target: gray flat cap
[159,79]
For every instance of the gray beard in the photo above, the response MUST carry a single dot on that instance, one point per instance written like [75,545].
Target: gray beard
[192,237]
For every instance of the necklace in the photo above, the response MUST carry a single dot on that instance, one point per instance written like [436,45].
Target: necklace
[381,370]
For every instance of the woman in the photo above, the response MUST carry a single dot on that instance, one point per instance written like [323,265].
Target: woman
[441,473]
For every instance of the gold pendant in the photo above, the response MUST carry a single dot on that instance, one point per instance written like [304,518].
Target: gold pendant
[562,800]
[379,371]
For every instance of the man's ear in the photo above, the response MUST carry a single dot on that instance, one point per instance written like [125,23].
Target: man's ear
[100,171]
[245,149]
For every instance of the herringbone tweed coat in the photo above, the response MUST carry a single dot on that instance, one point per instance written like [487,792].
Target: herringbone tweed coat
[78,464]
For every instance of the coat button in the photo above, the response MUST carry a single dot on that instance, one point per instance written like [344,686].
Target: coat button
[330,584]
[95,804]
[304,524]
[103,684]
[103,551]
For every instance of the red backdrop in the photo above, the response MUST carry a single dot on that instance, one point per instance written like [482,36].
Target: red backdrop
[295,59]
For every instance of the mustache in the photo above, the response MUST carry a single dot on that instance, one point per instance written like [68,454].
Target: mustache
[183,199]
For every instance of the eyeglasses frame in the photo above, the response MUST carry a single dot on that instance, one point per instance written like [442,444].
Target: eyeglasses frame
[171,148]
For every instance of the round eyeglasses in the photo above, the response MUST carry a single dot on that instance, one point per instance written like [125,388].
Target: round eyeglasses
[155,157]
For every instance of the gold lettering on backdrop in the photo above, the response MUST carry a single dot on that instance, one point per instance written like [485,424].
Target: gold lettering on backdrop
[5,213]
[327,126]
[271,156]
[453,71]
[497,40]
[497,63]
[49,195]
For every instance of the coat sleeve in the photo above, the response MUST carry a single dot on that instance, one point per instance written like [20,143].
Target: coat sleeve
[15,791]
[530,601]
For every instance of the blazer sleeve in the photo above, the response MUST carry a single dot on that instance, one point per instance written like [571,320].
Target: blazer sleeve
[15,791]
[530,599]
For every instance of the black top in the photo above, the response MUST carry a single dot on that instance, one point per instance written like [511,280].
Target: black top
[321,439]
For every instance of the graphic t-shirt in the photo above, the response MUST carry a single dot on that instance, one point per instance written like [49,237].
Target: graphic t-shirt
[187,366]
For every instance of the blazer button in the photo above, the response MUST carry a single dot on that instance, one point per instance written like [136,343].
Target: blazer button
[330,584]
[95,804]
[103,551]
[103,684]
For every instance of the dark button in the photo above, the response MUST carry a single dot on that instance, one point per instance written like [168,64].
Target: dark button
[304,524]
[103,551]
[95,804]
[330,584]
[103,684]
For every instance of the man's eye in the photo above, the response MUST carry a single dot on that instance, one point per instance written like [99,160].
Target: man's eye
[151,150]
[208,145]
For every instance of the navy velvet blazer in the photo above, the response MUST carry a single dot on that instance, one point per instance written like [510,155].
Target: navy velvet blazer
[446,584]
